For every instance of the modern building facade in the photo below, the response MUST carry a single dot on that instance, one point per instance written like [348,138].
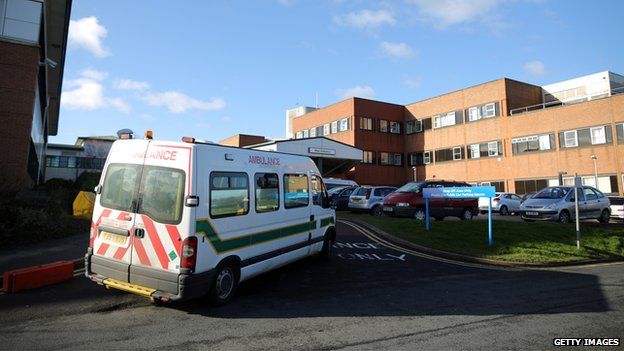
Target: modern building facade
[88,154]
[516,136]
[33,40]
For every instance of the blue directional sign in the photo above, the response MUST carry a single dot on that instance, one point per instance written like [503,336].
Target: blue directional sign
[459,192]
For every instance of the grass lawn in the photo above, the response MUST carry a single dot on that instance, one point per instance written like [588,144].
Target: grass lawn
[513,241]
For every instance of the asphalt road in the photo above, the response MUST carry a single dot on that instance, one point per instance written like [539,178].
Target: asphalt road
[367,297]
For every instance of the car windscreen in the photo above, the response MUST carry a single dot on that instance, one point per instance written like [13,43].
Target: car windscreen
[160,189]
[552,193]
[410,188]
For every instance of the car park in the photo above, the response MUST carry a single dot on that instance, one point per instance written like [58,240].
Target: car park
[617,207]
[503,203]
[369,199]
[408,201]
[340,199]
[557,203]
[331,183]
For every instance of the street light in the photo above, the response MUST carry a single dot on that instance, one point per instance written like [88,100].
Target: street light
[415,174]
[593,157]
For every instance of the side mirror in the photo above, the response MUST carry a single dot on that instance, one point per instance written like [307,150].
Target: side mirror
[98,189]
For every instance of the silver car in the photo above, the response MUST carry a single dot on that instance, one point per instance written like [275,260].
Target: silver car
[556,203]
[503,203]
[369,198]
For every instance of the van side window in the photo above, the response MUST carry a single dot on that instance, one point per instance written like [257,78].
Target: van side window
[295,190]
[229,194]
[318,191]
[267,192]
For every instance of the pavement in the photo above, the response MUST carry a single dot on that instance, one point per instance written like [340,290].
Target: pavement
[368,296]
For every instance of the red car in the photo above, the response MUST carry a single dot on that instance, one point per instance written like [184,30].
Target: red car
[407,201]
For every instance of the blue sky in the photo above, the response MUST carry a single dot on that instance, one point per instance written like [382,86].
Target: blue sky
[212,69]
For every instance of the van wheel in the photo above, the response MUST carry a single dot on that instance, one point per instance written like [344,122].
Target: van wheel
[377,211]
[564,217]
[466,215]
[419,214]
[504,211]
[325,252]
[605,216]
[225,284]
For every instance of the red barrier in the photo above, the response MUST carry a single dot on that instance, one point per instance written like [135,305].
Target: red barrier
[38,276]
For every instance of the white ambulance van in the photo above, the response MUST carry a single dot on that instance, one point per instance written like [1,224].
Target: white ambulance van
[180,220]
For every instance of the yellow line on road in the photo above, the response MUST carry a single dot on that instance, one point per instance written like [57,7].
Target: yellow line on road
[390,245]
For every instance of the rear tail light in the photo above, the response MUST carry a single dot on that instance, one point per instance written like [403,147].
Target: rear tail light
[495,199]
[189,253]
[368,192]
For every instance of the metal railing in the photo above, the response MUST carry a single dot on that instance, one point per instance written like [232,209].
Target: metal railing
[601,95]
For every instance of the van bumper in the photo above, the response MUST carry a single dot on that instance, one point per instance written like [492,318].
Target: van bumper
[155,284]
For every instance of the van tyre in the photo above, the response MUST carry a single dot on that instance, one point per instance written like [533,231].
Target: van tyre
[377,211]
[225,283]
[605,216]
[466,215]
[564,217]
[504,211]
[325,252]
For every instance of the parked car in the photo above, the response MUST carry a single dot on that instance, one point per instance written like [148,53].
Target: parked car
[407,201]
[503,203]
[527,196]
[556,203]
[617,207]
[340,198]
[369,198]
[332,191]
[336,182]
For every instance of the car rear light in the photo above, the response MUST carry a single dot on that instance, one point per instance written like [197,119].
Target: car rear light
[368,192]
[495,199]
[189,253]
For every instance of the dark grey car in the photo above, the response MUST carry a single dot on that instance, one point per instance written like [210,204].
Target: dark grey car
[556,203]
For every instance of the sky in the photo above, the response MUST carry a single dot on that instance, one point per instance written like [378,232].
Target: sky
[213,69]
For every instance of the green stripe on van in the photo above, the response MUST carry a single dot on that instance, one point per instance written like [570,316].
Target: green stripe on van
[204,227]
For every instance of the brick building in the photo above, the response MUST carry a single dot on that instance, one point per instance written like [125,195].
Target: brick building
[33,39]
[516,136]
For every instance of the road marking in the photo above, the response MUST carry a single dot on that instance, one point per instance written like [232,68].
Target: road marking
[390,245]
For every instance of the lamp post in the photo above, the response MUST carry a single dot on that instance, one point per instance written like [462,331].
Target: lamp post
[415,174]
[593,157]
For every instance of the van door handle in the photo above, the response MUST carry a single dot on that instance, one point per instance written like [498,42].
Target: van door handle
[311,218]
[139,232]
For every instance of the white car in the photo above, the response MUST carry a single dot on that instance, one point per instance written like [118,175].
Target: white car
[503,203]
[617,207]
[331,183]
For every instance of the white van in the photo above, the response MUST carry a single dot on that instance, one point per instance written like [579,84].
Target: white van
[179,220]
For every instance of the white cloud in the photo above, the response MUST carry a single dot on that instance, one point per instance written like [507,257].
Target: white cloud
[366,19]
[177,102]
[444,13]
[87,33]
[400,50]
[536,68]
[87,93]
[129,84]
[94,74]
[358,90]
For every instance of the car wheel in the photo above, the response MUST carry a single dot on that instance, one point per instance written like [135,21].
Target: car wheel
[605,216]
[225,284]
[466,215]
[377,211]
[419,214]
[504,211]
[564,217]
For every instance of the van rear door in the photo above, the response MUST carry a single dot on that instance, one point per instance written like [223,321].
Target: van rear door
[162,221]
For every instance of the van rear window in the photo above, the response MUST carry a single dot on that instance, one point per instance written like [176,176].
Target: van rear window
[120,186]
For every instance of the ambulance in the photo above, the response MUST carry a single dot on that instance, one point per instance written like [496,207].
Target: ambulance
[181,220]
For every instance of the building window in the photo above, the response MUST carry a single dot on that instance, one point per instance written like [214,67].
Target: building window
[312,132]
[598,135]
[334,127]
[299,135]
[366,123]
[531,186]
[267,192]
[489,110]
[492,148]
[368,157]
[457,153]
[390,159]
[427,157]
[295,190]
[418,127]
[395,127]
[326,129]
[229,194]
[474,114]
[319,131]
[570,138]
[409,127]
[474,151]
[306,133]
[444,120]
[344,124]
[383,126]
[543,142]
[619,130]
[449,154]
